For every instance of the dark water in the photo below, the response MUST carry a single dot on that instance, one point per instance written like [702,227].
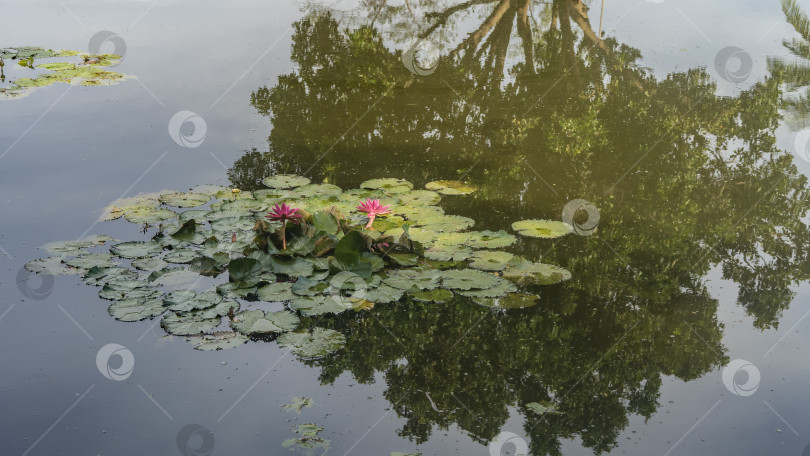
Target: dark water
[699,258]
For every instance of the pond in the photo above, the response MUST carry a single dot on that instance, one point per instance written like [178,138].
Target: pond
[591,237]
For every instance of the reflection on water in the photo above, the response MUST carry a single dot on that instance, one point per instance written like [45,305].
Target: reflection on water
[539,113]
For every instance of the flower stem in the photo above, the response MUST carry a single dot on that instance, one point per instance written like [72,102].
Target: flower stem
[284,234]
[370,221]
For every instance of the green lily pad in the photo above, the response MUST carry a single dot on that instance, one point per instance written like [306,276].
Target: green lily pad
[489,239]
[187,325]
[319,305]
[292,267]
[438,295]
[451,187]
[320,342]
[188,300]
[388,185]
[175,278]
[490,260]
[221,340]
[319,190]
[467,279]
[384,294]
[90,260]
[276,292]
[98,276]
[445,223]
[73,247]
[184,199]
[546,229]
[148,215]
[180,256]
[405,279]
[136,309]
[117,289]
[51,266]
[208,190]
[149,264]
[525,272]
[500,289]
[256,322]
[136,249]
[285,181]
[419,198]
[306,287]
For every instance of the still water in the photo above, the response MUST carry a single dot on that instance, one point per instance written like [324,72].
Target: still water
[671,118]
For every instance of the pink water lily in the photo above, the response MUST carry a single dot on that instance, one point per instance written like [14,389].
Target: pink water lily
[373,208]
[283,213]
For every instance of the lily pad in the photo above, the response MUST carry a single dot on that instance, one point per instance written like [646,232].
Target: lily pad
[187,325]
[320,342]
[148,215]
[541,408]
[90,260]
[221,340]
[490,260]
[451,187]
[489,239]
[149,264]
[319,305]
[275,292]
[188,300]
[319,190]
[525,272]
[51,266]
[542,228]
[384,294]
[184,199]
[98,276]
[72,247]
[500,289]
[180,256]
[422,279]
[136,249]
[136,309]
[285,181]
[419,198]
[468,279]
[388,185]
[509,301]
[257,322]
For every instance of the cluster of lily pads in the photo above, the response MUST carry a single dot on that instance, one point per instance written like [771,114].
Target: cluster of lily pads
[82,68]
[317,252]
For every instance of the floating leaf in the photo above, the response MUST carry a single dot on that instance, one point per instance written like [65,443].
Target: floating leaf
[467,279]
[319,305]
[319,190]
[298,403]
[50,266]
[257,322]
[180,256]
[280,291]
[184,199]
[419,198]
[405,279]
[490,260]
[188,325]
[136,249]
[293,267]
[188,300]
[490,239]
[320,342]
[148,215]
[285,181]
[90,260]
[525,272]
[542,228]
[388,185]
[384,294]
[451,187]
[99,276]
[136,309]
[437,295]
[221,340]
[501,288]
[72,247]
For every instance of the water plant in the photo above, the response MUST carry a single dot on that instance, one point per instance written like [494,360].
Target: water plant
[335,256]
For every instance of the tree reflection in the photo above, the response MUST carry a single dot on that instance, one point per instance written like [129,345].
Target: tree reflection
[685,181]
